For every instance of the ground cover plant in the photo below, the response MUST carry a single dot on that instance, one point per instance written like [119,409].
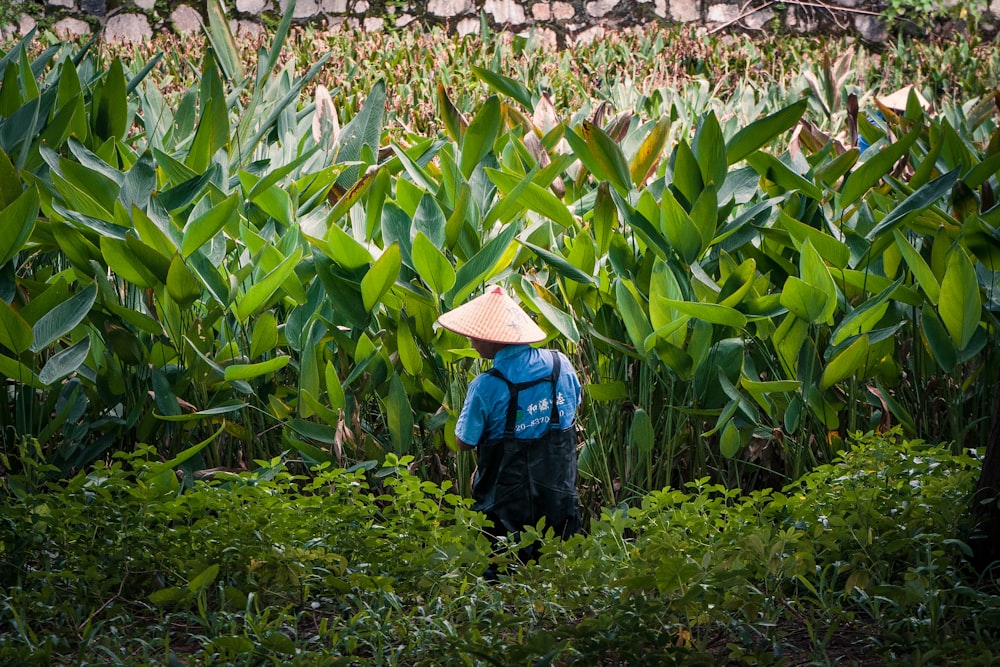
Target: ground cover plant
[224,264]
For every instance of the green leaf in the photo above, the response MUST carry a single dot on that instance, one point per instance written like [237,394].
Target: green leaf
[15,333]
[204,579]
[916,203]
[538,199]
[776,171]
[182,286]
[940,343]
[213,130]
[805,301]
[610,157]
[633,314]
[640,433]
[432,266]
[961,303]
[562,321]
[223,44]
[649,152]
[863,319]
[202,229]
[406,345]
[709,147]
[605,221]
[762,131]
[381,276]
[247,371]
[480,135]
[399,416]
[225,408]
[454,122]
[64,362]
[876,166]
[709,312]
[846,362]
[345,250]
[730,441]
[260,293]
[829,248]
[63,318]
[334,389]
[504,85]
[814,271]
[110,116]
[126,264]
[361,134]
[483,265]
[264,337]
[16,224]
[607,391]
[561,265]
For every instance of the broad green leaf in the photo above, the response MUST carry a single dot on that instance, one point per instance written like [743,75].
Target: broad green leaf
[257,296]
[16,224]
[680,230]
[538,199]
[640,433]
[559,319]
[605,221]
[493,257]
[345,250]
[730,441]
[399,416]
[126,264]
[561,264]
[213,131]
[432,266]
[709,312]
[814,271]
[762,131]
[609,155]
[709,147]
[63,318]
[772,169]
[940,343]
[264,337]
[916,203]
[607,391]
[204,579]
[65,362]
[334,389]
[429,219]
[223,45]
[353,195]
[480,135]
[805,301]
[362,133]
[202,229]
[247,371]
[505,85]
[833,251]
[182,285]
[876,166]
[788,340]
[648,155]
[961,304]
[406,345]
[15,332]
[110,115]
[15,370]
[846,362]
[381,276]
[633,314]
[453,120]
[863,319]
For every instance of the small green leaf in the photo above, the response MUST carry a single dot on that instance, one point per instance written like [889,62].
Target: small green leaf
[247,371]
[64,362]
[762,131]
[961,303]
[62,319]
[381,276]
[15,333]
[845,363]
[432,266]
[201,230]
[399,416]
[480,135]
[730,441]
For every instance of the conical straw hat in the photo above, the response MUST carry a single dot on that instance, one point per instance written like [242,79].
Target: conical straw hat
[494,317]
[897,101]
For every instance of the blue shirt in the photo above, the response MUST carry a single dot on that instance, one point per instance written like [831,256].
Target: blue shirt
[484,413]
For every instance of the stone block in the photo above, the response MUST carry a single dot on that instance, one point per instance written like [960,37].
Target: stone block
[451,8]
[563,11]
[541,11]
[373,24]
[125,28]
[186,20]
[599,8]
[589,35]
[69,27]
[62,4]
[335,6]
[467,26]
[504,11]
[361,7]
[145,5]
[722,13]
[255,7]
[685,11]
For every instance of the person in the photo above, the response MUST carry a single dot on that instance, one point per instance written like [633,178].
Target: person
[519,417]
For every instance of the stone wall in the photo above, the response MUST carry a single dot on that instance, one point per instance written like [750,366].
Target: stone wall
[558,22]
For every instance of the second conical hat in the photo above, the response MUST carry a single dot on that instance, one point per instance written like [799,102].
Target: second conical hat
[495,317]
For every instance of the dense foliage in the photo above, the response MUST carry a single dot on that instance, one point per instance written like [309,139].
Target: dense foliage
[858,560]
[227,422]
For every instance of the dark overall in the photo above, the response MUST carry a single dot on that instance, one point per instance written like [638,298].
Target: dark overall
[519,481]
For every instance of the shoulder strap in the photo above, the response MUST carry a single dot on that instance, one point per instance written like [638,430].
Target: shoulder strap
[514,389]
